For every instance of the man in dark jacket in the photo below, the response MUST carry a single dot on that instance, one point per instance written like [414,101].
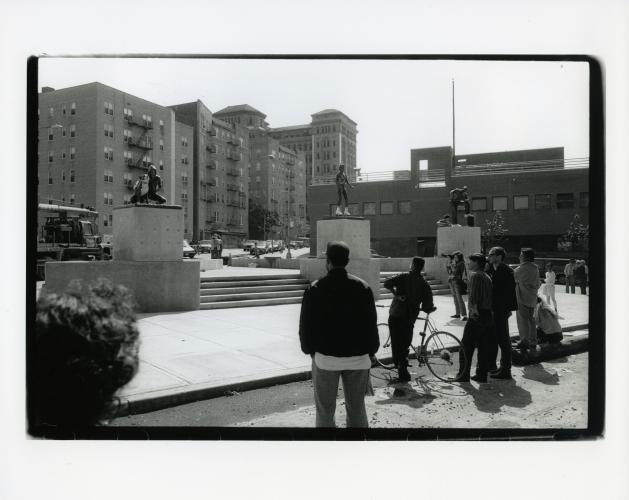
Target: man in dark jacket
[411,294]
[503,302]
[338,328]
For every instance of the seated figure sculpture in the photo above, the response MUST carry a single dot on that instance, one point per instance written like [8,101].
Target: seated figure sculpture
[459,196]
[147,186]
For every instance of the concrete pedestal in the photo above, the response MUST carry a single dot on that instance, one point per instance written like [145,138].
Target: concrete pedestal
[148,260]
[366,269]
[458,238]
[156,286]
[148,233]
[355,231]
[208,263]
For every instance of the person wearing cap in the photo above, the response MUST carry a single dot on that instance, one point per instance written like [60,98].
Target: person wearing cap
[503,301]
[480,324]
[411,293]
[338,329]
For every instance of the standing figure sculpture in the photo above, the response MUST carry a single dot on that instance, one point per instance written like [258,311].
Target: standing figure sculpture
[459,196]
[147,186]
[341,180]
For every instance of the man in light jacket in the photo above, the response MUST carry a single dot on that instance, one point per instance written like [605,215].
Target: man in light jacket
[526,285]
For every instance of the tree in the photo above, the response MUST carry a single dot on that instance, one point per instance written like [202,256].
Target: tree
[578,234]
[261,221]
[494,232]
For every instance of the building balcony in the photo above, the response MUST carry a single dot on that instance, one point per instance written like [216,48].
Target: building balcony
[211,148]
[234,155]
[213,165]
[232,187]
[234,172]
[235,141]
[131,141]
[139,123]
[211,132]
[233,203]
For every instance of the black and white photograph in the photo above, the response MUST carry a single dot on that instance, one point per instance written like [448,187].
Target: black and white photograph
[316,243]
[314,250]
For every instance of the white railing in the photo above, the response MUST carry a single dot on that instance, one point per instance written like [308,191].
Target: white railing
[520,166]
[397,175]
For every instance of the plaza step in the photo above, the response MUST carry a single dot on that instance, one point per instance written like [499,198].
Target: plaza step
[250,291]
[437,286]
[250,303]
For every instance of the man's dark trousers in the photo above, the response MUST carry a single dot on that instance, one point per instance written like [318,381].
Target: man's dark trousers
[476,335]
[500,338]
[401,331]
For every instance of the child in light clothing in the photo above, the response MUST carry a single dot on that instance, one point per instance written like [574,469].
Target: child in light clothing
[548,289]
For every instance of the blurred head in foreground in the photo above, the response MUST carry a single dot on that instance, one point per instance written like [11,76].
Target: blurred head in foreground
[85,349]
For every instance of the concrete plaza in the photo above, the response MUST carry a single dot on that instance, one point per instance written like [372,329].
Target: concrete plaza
[186,356]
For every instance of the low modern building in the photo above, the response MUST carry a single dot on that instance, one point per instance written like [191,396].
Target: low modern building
[95,141]
[537,192]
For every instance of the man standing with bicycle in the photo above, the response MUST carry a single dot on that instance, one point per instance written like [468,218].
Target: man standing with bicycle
[411,293]
[338,329]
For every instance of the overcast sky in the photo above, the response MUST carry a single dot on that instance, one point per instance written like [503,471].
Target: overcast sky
[398,105]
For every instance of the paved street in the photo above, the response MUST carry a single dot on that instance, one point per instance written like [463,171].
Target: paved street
[547,395]
[185,356]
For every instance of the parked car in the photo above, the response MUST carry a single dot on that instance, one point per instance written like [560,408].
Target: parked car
[261,248]
[188,251]
[295,244]
[204,246]
[248,245]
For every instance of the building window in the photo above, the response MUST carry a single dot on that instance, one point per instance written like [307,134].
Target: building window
[72,199]
[51,134]
[369,208]
[215,216]
[51,156]
[51,112]
[63,176]
[161,144]
[127,114]
[386,208]
[108,198]
[584,200]
[126,135]
[73,108]
[542,202]
[161,127]
[109,131]
[184,142]
[109,153]
[73,131]
[108,108]
[565,200]
[49,177]
[499,203]
[111,220]
[404,207]
[72,176]
[479,204]
[72,153]
[184,160]
[521,202]
[109,176]
[161,164]
[423,164]
[63,131]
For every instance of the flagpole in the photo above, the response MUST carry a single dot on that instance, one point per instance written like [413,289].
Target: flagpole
[453,129]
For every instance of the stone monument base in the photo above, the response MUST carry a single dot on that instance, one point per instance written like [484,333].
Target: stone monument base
[354,231]
[366,269]
[458,238]
[208,263]
[156,286]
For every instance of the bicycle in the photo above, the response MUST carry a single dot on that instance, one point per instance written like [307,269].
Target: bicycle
[441,352]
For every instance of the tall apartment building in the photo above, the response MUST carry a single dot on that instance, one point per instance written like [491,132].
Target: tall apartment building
[219,187]
[277,175]
[329,140]
[95,141]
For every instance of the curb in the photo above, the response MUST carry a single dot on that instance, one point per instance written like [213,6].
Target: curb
[174,397]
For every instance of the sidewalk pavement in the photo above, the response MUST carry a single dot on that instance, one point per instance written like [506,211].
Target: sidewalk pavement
[188,356]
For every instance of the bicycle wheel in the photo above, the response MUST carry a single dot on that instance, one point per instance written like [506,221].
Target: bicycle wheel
[383,356]
[445,357]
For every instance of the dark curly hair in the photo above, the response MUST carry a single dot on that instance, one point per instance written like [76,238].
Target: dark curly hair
[85,349]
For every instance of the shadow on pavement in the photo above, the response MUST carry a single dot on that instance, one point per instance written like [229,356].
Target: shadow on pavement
[404,394]
[490,398]
[540,374]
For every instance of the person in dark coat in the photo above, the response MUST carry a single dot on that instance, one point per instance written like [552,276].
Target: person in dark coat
[338,329]
[411,293]
[504,301]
